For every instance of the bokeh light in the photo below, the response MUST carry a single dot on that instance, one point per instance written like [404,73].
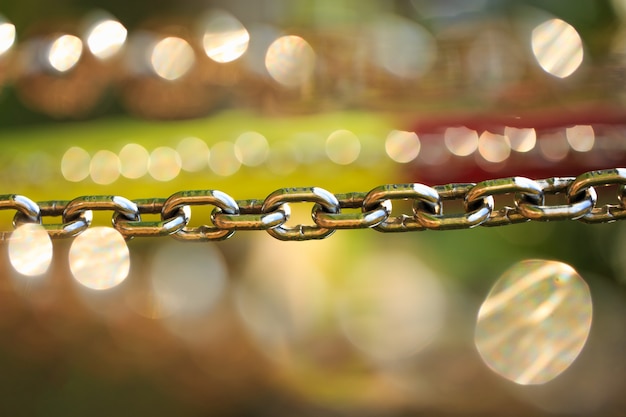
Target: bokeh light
[558,48]
[106,38]
[282,293]
[343,147]
[172,58]
[223,159]
[225,38]
[194,154]
[104,167]
[251,148]
[554,146]
[580,137]
[30,249]
[164,164]
[99,258]
[186,280]
[75,164]
[494,60]
[65,52]
[7,35]
[534,321]
[391,306]
[522,140]
[290,61]
[402,146]
[134,160]
[493,147]
[461,141]
[402,47]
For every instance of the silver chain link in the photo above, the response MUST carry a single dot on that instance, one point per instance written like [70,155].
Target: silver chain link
[374,209]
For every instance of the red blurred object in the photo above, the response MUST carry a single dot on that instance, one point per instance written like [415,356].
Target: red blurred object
[551,155]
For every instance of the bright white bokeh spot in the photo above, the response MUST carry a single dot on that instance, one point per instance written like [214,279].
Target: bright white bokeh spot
[223,159]
[99,258]
[343,147]
[402,146]
[104,167]
[75,164]
[290,61]
[252,149]
[187,280]
[522,140]
[558,48]
[494,148]
[7,36]
[171,58]
[30,249]
[106,38]
[534,322]
[134,161]
[402,47]
[580,137]
[461,141]
[554,146]
[194,154]
[164,164]
[391,306]
[225,38]
[65,52]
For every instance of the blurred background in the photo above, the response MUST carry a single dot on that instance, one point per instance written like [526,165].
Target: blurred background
[146,98]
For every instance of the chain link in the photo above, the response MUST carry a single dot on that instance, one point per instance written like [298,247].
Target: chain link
[374,209]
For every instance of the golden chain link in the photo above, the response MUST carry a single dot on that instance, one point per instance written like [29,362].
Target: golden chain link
[272,213]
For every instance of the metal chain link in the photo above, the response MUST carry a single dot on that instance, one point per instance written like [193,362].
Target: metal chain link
[328,212]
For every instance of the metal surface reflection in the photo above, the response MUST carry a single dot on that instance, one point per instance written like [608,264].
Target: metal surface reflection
[534,322]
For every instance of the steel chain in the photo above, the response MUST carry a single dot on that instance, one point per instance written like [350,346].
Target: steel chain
[374,209]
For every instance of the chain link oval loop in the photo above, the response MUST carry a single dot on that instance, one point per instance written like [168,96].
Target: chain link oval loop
[609,212]
[62,230]
[194,198]
[401,223]
[479,211]
[296,195]
[251,216]
[138,228]
[363,220]
[524,188]
[24,205]
[115,203]
[551,186]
